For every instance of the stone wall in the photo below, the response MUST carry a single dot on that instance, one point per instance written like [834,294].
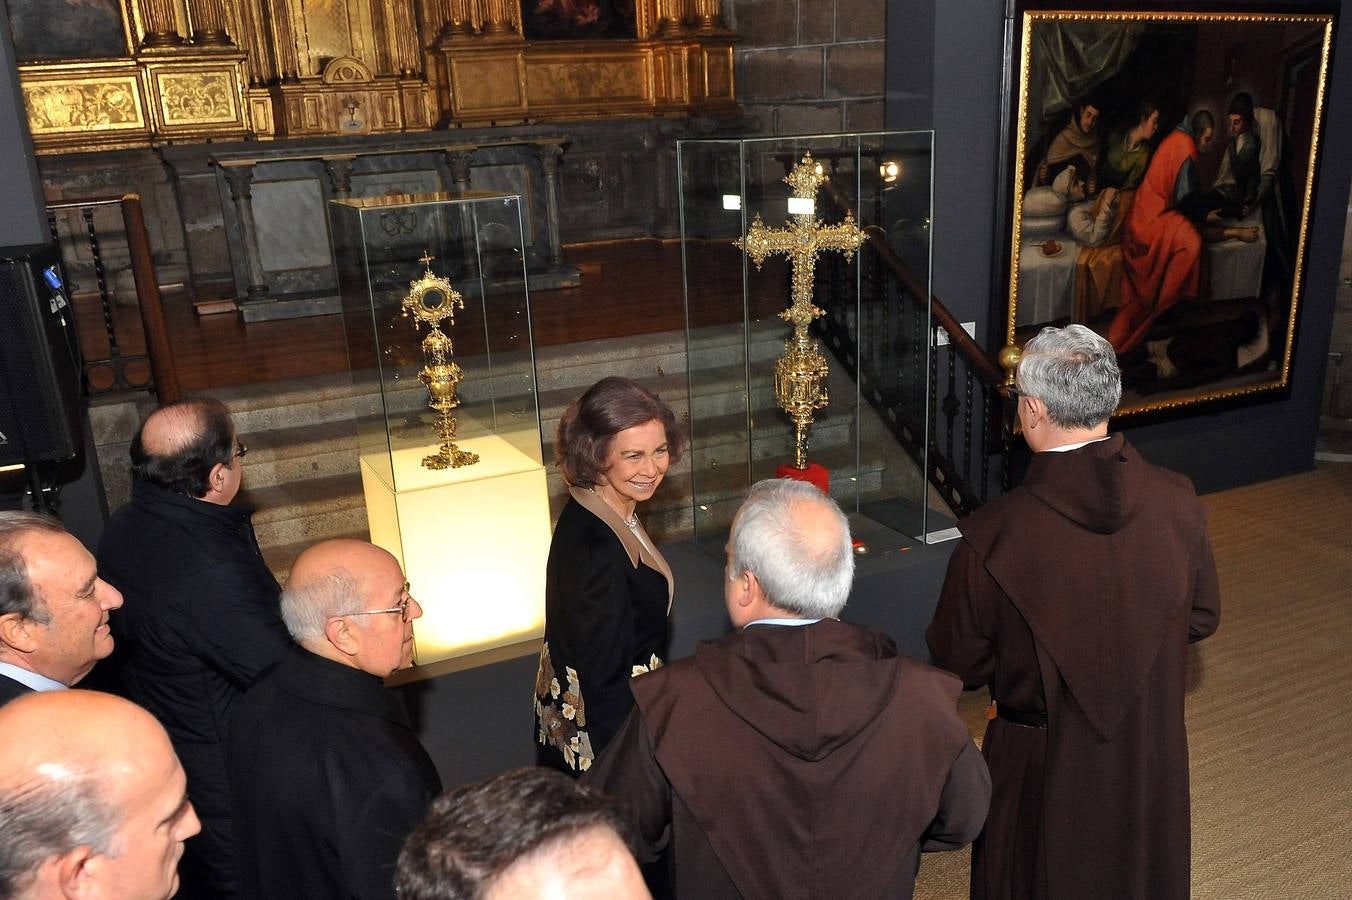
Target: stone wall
[810,66]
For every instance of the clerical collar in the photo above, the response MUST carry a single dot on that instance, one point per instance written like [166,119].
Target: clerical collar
[1066,448]
[780,622]
[28,677]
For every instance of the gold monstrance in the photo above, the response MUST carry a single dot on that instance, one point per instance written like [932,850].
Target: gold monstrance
[800,374]
[431,299]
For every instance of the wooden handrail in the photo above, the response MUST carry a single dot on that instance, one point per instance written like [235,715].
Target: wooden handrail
[158,352]
[148,300]
[981,365]
[976,358]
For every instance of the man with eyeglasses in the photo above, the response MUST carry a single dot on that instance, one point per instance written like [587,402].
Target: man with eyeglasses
[326,773]
[200,624]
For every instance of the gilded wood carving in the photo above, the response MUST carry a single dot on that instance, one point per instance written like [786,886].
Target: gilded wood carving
[205,69]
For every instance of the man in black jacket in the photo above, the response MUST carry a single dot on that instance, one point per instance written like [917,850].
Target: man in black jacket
[327,775]
[201,623]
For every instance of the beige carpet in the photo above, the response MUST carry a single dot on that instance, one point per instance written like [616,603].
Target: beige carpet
[1267,702]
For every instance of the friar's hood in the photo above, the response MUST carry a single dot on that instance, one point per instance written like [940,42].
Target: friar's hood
[1097,488]
[808,689]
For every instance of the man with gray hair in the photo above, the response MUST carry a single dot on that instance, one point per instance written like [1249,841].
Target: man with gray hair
[53,607]
[799,756]
[93,801]
[1074,597]
[326,774]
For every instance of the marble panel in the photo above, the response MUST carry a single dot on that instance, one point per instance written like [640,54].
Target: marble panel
[292,225]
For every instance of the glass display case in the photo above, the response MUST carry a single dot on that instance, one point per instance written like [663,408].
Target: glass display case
[806,265]
[437,318]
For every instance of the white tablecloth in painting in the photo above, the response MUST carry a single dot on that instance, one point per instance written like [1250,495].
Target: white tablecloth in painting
[1047,284]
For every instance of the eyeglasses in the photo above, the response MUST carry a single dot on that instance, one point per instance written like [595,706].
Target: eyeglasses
[402,608]
[240,450]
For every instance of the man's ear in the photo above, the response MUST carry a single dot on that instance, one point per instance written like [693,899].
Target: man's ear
[74,874]
[752,592]
[342,635]
[16,632]
[216,478]
[1037,411]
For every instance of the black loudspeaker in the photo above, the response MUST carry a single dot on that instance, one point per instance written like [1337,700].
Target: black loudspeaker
[23,223]
[40,389]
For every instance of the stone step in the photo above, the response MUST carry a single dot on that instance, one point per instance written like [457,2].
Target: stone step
[308,510]
[281,557]
[290,454]
[282,404]
[303,439]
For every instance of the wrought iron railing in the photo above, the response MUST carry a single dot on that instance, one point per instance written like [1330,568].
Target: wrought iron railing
[944,402]
[85,256]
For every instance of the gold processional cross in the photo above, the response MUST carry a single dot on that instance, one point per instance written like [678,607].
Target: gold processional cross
[431,299]
[800,374]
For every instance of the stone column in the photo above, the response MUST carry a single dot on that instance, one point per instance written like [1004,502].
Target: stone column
[209,23]
[461,161]
[240,179]
[161,26]
[340,176]
[550,155]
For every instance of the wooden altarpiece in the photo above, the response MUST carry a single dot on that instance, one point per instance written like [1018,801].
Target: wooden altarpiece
[199,70]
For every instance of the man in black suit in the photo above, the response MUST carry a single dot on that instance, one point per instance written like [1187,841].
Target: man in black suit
[53,607]
[326,773]
[201,624]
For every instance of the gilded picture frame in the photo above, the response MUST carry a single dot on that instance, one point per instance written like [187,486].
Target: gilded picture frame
[1162,166]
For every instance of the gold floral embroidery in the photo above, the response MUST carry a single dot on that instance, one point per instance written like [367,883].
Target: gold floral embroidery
[560,715]
[654,663]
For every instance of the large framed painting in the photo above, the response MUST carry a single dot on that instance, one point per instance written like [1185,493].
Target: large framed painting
[47,30]
[1162,165]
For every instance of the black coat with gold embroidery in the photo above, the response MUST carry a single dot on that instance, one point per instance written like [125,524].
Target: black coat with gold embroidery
[606,603]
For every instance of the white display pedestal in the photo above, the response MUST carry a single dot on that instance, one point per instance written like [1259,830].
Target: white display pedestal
[473,542]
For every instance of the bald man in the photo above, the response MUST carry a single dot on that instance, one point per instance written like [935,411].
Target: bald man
[327,774]
[799,756]
[93,802]
[200,625]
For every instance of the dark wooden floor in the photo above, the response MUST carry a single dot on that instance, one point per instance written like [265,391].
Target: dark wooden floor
[628,288]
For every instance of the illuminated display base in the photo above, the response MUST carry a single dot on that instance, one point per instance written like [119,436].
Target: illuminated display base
[473,542]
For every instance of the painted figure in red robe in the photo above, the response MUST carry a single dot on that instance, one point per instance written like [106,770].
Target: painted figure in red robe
[1161,246]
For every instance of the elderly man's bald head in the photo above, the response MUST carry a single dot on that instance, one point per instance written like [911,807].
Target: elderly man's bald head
[189,447]
[92,799]
[347,600]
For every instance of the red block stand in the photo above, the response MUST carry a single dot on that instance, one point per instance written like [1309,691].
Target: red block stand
[815,473]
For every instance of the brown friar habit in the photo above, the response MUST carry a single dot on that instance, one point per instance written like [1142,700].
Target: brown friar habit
[797,761]
[1075,597]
